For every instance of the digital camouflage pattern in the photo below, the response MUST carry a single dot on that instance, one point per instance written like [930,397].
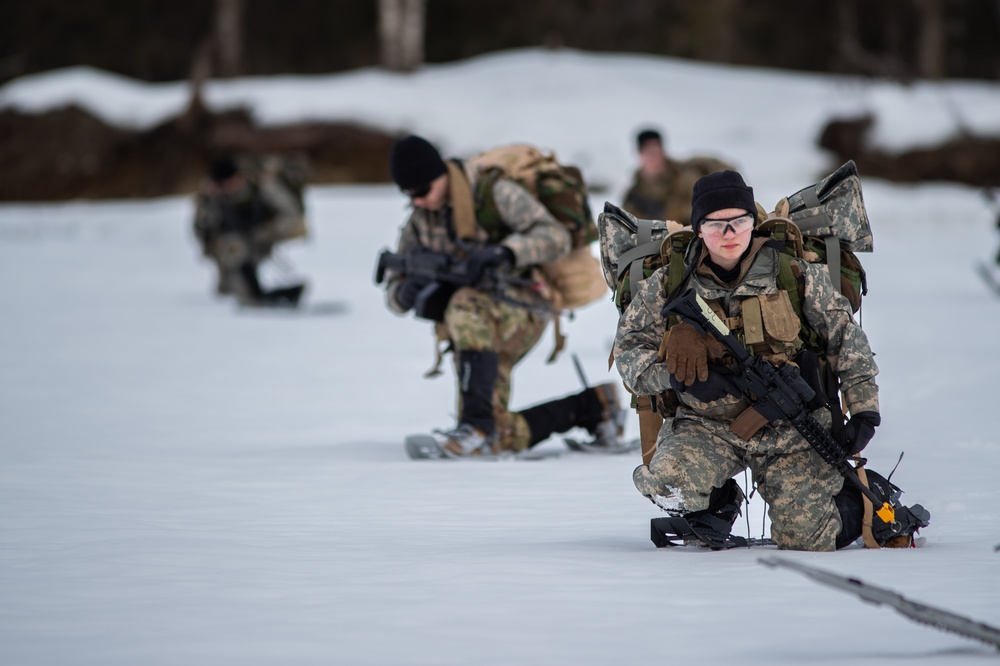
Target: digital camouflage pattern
[834,207]
[477,321]
[695,449]
[618,233]
[696,454]
[668,197]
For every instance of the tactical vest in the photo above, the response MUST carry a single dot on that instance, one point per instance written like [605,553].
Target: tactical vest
[769,325]
[785,238]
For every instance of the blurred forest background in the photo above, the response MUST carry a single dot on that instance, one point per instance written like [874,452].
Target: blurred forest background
[171,40]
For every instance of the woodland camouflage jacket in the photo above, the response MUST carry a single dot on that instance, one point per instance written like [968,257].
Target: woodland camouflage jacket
[535,237]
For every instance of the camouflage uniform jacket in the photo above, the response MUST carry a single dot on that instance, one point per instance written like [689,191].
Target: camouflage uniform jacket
[828,313]
[535,237]
[262,212]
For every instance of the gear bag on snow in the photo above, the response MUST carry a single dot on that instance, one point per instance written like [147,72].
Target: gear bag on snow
[825,222]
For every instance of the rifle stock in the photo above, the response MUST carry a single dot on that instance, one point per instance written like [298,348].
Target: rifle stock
[776,392]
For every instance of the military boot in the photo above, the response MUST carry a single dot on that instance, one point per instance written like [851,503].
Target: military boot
[475,432]
[595,409]
[710,527]
[609,430]
[463,440]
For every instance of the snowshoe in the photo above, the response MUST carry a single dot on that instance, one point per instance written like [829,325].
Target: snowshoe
[463,441]
[597,445]
[711,527]
[284,297]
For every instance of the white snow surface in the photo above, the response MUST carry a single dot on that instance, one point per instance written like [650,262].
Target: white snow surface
[183,482]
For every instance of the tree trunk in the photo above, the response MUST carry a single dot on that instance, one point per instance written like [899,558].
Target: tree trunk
[228,35]
[401,33]
[931,40]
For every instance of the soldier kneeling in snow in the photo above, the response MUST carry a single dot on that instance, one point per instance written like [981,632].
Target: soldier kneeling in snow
[239,218]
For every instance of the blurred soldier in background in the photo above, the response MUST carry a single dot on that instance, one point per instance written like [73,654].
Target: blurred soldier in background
[242,211]
[661,187]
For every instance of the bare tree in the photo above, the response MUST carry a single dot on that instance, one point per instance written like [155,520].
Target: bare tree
[220,53]
[852,54]
[228,36]
[931,47]
[401,33]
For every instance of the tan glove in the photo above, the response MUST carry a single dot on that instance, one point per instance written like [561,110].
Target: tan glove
[688,352]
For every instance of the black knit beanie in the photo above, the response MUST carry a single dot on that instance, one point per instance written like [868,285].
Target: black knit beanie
[223,168]
[717,191]
[414,163]
[647,135]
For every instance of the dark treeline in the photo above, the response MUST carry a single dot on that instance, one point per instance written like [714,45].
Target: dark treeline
[156,40]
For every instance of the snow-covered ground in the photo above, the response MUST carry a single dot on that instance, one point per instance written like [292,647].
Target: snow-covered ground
[185,483]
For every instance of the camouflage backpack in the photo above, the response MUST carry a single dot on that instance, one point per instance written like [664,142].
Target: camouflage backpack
[291,172]
[575,278]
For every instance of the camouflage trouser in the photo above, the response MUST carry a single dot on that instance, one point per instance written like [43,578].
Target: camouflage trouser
[230,251]
[475,321]
[695,454]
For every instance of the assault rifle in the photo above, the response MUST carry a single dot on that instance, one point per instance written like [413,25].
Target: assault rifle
[776,392]
[935,617]
[445,275]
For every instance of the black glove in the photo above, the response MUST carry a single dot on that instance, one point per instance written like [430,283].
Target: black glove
[491,256]
[858,431]
[717,385]
[406,293]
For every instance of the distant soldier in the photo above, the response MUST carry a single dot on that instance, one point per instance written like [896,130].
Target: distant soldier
[661,187]
[239,218]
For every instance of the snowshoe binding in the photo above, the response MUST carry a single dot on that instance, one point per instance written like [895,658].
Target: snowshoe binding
[709,527]
[464,441]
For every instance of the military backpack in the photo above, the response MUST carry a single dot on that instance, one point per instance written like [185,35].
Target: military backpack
[575,279]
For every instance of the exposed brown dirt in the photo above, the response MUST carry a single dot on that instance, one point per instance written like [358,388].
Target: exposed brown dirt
[68,153]
[974,160]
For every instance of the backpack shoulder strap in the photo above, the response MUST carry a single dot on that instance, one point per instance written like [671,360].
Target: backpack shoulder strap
[462,206]
[674,248]
[643,237]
